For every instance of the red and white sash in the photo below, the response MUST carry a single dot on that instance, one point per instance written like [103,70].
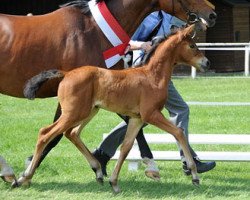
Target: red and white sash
[112,30]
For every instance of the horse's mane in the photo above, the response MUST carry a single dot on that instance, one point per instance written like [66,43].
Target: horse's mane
[81,4]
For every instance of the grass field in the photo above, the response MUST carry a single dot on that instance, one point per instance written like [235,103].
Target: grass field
[65,174]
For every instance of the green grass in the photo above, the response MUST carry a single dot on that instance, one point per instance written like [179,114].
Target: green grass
[66,175]
[214,89]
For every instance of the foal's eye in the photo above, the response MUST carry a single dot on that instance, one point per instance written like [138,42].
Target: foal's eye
[192,46]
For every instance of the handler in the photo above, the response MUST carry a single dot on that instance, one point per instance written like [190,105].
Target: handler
[156,24]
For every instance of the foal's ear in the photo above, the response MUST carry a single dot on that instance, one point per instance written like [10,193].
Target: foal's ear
[189,31]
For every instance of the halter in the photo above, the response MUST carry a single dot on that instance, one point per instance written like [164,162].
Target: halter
[192,16]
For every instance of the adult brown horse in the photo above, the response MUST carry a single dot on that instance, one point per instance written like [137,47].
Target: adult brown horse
[69,38]
[139,93]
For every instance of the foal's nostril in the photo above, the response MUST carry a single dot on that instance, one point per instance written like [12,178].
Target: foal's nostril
[213,16]
[208,64]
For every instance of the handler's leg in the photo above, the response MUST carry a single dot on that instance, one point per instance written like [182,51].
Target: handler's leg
[179,115]
[116,137]
[51,144]
[151,170]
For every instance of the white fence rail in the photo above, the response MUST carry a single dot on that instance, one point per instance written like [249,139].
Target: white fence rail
[210,139]
[226,47]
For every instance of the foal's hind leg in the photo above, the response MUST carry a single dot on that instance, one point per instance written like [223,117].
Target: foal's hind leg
[74,136]
[6,173]
[134,126]
[51,144]
[45,136]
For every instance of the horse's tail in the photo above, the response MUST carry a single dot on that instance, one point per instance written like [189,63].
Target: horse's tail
[33,85]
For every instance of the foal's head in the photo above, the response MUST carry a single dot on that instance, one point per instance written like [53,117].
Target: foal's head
[180,48]
[187,51]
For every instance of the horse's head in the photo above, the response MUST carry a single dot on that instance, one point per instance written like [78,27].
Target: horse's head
[187,51]
[191,11]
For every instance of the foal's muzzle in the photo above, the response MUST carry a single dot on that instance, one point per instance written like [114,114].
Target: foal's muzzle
[204,64]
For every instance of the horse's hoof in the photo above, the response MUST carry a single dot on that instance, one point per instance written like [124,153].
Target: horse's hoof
[100,181]
[155,175]
[196,182]
[115,188]
[8,179]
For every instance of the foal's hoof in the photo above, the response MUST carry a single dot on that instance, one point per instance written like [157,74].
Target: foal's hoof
[9,178]
[155,175]
[115,188]
[21,181]
[15,184]
[196,182]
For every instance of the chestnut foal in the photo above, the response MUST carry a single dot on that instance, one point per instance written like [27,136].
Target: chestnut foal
[139,93]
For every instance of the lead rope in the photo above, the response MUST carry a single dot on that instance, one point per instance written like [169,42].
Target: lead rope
[173,10]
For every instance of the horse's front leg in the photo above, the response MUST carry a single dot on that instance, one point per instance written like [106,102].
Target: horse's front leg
[134,126]
[6,173]
[157,118]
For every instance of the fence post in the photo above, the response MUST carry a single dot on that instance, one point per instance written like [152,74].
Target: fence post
[193,72]
[247,53]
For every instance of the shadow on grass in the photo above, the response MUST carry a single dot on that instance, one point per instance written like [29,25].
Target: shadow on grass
[151,189]
[220,183]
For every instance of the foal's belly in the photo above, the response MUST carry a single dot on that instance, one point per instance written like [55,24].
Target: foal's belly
[122,109]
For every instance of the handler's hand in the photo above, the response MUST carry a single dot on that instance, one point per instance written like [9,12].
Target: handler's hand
[146,46]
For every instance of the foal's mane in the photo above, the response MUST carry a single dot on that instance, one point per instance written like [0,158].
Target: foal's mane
[156,41]
[81,4]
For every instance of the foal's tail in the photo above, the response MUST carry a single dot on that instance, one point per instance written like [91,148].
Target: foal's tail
[33,85]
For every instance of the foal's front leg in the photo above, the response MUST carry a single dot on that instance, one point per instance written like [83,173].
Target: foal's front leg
[158,119]
[134,126]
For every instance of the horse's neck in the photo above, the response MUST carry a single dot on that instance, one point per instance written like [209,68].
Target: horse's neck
[174,8]
[130,13]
